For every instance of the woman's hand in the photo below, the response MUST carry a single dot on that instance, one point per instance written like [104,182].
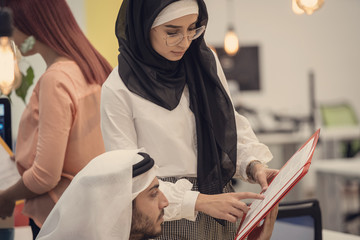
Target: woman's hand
[264,231]
[227,206]
[6,206]
[263,175]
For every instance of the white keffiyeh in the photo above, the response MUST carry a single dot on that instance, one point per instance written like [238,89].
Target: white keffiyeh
[98,202]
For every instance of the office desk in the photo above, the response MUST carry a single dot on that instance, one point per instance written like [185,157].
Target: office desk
[286,231]
[283,138]
[331,176]
[332,235]
[340,133]
[332,137]
[283,145]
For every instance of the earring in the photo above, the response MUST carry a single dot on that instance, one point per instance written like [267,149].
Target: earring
[27,45]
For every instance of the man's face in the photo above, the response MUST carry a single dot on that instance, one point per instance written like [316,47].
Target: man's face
[148,212]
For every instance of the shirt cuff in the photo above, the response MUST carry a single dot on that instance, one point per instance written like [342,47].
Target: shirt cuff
[244,165]
[188,205]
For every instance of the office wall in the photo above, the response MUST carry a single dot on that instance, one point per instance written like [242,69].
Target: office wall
[328,42]
[290,45]
[100,26]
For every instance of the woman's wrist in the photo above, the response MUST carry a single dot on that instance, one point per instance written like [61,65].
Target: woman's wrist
[250,170]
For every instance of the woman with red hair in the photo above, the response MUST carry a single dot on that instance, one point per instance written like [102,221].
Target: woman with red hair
[59,131]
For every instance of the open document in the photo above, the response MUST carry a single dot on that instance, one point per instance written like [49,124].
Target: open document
[8,172]
[290,174]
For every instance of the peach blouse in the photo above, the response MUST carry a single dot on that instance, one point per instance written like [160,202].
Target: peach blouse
[59,133]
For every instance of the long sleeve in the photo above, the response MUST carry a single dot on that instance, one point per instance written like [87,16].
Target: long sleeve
[181,200]
[59,133]
[55,120]
[248,147]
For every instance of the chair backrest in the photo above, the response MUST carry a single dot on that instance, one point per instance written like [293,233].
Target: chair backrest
[298,220]
[342,115]
[338,115]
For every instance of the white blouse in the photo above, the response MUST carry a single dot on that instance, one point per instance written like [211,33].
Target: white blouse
[129,121]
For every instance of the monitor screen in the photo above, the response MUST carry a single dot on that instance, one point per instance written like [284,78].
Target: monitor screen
[5,121]
[242,68]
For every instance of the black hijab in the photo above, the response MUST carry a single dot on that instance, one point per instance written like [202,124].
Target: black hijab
[151,76]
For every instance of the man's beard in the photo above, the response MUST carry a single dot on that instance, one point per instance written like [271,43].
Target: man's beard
[142,227]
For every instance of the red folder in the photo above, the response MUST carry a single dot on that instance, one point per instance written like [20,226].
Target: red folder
[289,175]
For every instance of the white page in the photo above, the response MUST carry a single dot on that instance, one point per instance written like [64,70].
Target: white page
[8,171]
[286,177]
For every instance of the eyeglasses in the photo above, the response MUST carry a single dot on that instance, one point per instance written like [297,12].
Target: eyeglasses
[175,39]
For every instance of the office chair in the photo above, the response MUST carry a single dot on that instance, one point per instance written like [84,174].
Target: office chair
[299,220]
[341,115]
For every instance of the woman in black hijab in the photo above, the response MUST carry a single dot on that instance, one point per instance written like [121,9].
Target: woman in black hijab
[170,96]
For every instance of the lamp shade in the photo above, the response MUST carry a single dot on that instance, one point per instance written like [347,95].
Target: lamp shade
[309,6]
[295,8]
[231,42]
[8,64]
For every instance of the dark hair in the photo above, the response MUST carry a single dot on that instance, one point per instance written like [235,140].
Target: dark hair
[52,23]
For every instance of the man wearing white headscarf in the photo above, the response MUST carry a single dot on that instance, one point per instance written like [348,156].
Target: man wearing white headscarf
[98,204]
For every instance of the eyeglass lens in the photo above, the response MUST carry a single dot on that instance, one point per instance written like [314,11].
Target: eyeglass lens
[174,39]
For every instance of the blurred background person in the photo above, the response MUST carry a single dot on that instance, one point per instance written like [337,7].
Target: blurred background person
[59,131]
